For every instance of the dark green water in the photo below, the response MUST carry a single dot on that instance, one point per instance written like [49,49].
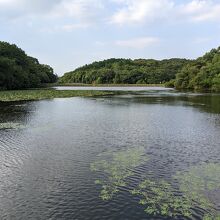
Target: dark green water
[46,148]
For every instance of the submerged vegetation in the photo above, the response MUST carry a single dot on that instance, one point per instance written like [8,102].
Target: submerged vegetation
[117,167]
[159,197]
[19,71]
[198,183]
[26,95]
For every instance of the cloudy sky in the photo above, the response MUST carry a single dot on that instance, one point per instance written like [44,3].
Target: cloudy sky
[69,33]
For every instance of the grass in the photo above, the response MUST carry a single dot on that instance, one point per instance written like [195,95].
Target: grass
[30,95]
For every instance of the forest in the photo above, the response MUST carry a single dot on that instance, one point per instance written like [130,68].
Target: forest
[20,71]
[201,74]
[126,71]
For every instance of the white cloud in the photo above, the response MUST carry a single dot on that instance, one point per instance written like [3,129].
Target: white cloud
[79,9]
[141,11]
[53,15]
[16,9]
[83,10]
[138,43]
[146,11]
[74,14]
[201,10]
[71,27]
[64,28]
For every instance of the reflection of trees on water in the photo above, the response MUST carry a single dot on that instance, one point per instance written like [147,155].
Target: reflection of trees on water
[15,111]
[209,103]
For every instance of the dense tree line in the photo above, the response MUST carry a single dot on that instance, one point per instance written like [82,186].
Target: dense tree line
[18,71]
[202,73]
[126,71]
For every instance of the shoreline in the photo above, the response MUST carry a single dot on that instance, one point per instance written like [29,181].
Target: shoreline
[106,85]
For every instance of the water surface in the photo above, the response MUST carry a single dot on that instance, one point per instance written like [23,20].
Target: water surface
[45,164]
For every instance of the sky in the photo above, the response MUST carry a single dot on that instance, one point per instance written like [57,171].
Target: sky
[67,34]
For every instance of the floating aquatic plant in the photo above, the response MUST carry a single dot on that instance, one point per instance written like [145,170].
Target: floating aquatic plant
[210,217]
[117,166]
[159,199]
[198,182]
[11,125]
[39,94]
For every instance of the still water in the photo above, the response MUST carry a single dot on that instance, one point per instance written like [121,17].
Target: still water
[47,147]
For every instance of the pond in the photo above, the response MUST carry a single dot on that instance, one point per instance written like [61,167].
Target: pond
[139,155]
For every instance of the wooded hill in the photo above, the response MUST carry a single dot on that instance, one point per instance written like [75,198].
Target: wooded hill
[126,71]
[202,73]
[19,71]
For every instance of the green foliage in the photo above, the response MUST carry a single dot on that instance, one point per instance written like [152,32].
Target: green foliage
[11,125]
[24,95]
[170,84]
[160,200]
[17,70]
[159,197]
[117,167]
[198,182]
[203,73]
[126,71]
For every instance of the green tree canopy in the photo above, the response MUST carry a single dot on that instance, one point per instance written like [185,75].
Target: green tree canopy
[203,73]
[18,71]
[128,71]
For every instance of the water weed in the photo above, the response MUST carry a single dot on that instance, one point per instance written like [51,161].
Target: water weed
[11,125]
[198,182]
[117,167]
[159,199]
[39,94]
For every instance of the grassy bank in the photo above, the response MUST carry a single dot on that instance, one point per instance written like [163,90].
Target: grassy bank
[28,95]
[107,85]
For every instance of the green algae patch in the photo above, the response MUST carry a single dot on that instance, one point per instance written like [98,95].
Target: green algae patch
[117,167]
[195,186]
[198,183]
[11,125]
[159,199]
[210,217]
[39,94]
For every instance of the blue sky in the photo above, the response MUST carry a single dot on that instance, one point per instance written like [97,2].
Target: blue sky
[69,33]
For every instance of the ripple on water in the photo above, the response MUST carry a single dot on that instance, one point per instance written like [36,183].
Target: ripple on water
[45,167]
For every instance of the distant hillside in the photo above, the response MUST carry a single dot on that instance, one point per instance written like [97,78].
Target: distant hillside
[203,73]
[126,71]
[19,71]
